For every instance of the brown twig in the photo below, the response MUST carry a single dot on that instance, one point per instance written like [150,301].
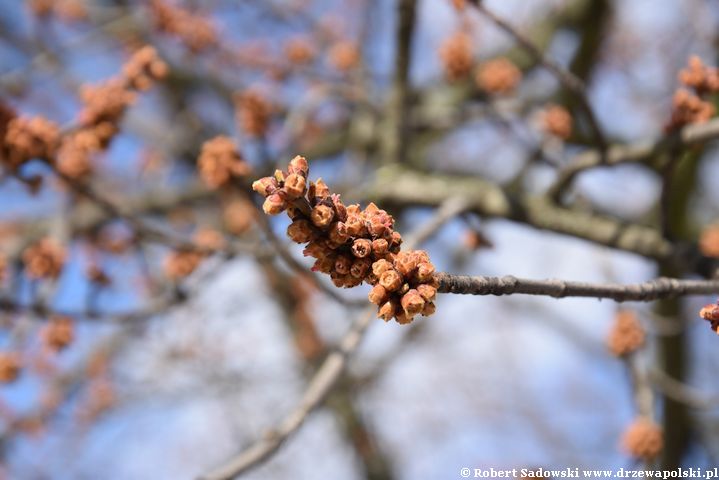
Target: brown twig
[638,292]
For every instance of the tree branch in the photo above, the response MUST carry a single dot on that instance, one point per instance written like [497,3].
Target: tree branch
[638,292]
[640,153]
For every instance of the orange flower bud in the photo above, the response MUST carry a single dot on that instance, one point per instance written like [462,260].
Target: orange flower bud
[295,186]
[412,303]
[386,311]
[322,215]
[425,271]
[265,186]
[390,280]
[381,266]
[428,292]
[274,204]
[361,248]
[378,295]
[300,231]
[338,233]
[380,246]
[299,166]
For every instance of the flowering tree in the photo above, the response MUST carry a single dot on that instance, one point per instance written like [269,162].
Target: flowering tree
[150,151]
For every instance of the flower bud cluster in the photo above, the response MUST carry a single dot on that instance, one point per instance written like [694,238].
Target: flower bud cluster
[350,244]
[498,76]
[9,367]
[197,33]
[643,439]
[344,56]
[300,51]
[556,121]
[104,105]
[710,313]
[220,162]
[253,112]
[27,138]
[689,104]
[626,334]
[59,333]
[181,263]
[456,54]
[45,259]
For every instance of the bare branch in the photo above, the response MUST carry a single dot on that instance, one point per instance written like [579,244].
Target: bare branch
[638,292]
[622,154]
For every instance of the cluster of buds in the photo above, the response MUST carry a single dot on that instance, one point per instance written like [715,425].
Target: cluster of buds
[643,439]
[68,10]
[689,104]
[238,216]
[143,69]
[456,54]
[28,138]
[458,5]
[59,333]
[195,32]
[9,367]
[220,162]
[350,244]
[104,105]
[556,121]
[300,51]
[709,241]
[701,78]
[344,56]
[253,112]
[181,263]
[626,334]
[75,153]
[498,76]
[710,313]
[45,259]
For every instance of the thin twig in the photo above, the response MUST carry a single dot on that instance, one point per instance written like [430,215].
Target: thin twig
[681,392]
[638,153]
[638,292]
